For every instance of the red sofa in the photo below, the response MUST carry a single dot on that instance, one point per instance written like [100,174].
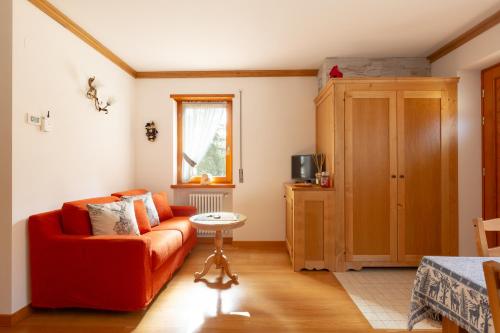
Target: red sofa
[72,268]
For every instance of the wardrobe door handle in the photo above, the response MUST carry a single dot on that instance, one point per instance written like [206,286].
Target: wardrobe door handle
[393,176]
[401,176]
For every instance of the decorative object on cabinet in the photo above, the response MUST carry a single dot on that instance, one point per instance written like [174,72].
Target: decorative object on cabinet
[335,72]
[319,161]
[325,179]
[151,131]
[92,95]
[391,149]
[309,226]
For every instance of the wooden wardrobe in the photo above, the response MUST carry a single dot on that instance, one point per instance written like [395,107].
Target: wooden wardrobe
[391,145]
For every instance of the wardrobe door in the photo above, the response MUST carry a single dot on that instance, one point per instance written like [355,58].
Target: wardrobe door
[370,176]
[422,220]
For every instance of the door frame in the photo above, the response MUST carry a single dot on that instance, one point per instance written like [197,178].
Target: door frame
[485,132]
[489,129]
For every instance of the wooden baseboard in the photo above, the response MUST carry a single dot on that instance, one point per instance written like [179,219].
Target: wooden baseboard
[210,240]
[252,244]
[261,244]
[7,320]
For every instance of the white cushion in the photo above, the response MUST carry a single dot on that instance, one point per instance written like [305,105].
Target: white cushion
[151,211]
[115,218]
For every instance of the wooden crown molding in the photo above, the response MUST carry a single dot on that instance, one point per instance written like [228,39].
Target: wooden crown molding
[58,16]
[473,32]
[79,32]
[235,73]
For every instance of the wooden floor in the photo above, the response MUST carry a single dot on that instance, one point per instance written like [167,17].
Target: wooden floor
[270,297]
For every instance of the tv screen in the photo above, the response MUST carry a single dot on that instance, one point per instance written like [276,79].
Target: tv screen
[303,168]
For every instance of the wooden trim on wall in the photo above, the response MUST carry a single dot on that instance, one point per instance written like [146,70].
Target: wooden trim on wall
[58,16]
[210,240]
[473,32]
[261,244]
[234,73]
[79,32]
[201,97]
[7,320]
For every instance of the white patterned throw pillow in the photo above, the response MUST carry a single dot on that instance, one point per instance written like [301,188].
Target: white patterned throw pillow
[115,218]
[147,198]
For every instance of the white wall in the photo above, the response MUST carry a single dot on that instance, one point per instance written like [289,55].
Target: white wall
[5,153]
[278,121]
[87,153]
[467,62]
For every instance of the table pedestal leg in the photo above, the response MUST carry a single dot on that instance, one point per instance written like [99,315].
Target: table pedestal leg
[208,263]
[218,258]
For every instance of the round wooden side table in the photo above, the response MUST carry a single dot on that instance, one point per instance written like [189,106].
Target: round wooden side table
[218,222]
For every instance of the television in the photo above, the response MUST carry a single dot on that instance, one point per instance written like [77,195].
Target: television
[303,168]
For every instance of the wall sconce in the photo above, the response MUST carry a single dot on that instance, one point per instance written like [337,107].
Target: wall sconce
[151,131]
[92,95]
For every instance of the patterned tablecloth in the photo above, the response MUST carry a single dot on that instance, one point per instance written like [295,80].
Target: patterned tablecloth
[453,287]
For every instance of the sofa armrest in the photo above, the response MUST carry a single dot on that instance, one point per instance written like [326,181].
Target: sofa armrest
[183,210]
[109,272]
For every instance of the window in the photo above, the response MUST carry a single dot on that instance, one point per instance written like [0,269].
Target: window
[204,140]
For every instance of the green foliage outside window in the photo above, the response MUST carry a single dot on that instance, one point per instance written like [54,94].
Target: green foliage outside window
[214,161]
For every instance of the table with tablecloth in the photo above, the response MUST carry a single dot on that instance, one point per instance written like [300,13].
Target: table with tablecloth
[452,287]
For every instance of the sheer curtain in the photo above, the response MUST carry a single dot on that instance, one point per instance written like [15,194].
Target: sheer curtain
[200,121]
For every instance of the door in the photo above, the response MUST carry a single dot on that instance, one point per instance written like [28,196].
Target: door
[422,221]
[370,176]
[491,140]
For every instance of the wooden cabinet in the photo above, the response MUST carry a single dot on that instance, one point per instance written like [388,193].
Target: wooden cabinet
[394,162]
[309,226]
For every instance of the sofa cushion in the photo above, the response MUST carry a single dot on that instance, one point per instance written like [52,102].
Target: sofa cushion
[136,191]
[141,216]
[75,215]
[162,206]
[164,243]
[150,206]
[114,218]
[180,223]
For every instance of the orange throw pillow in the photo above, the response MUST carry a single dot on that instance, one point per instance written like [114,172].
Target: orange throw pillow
[162,206]
[133,192]
[75,215]
[141,217]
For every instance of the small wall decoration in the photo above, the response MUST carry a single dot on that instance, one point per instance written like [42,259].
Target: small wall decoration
[151,131]
[92,95]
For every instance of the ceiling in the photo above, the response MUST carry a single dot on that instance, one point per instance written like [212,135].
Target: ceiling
[154,35]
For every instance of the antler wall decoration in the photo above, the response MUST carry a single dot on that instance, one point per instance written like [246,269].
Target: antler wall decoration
[92,95]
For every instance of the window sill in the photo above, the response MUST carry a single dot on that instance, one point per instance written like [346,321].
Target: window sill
[196,186]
